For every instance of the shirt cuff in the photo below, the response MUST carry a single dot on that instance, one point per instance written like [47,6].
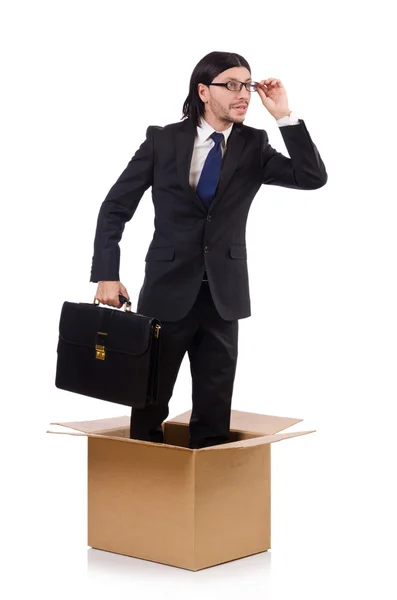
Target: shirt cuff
[292,119]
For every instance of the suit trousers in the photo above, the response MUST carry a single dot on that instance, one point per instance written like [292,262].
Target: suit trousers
[211,343]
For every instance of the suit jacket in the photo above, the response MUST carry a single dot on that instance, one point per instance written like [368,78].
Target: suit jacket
[190,239]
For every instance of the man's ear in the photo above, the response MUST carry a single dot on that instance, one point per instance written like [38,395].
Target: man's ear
[201,88]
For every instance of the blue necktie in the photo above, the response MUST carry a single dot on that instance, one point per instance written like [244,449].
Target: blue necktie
[206,187]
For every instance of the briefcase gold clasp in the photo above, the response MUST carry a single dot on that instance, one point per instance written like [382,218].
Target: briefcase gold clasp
[100,352]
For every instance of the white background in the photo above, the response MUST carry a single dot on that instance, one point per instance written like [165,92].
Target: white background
[81,83]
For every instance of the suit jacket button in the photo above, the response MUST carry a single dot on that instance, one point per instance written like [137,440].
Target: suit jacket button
[206,249]
[208,217]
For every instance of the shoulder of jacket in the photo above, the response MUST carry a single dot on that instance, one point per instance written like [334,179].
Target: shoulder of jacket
[251,130]
[153,127]
[254,133]
[169,127]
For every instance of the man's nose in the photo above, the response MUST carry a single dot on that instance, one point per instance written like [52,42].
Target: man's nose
[244,95]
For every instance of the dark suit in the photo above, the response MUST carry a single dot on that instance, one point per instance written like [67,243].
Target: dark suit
[189,240]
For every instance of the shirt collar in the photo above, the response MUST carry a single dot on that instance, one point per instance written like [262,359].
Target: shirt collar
[204,130]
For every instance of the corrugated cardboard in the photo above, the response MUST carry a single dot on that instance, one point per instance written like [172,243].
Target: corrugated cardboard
[190,508]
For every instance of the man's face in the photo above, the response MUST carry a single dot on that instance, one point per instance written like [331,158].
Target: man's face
[222,103]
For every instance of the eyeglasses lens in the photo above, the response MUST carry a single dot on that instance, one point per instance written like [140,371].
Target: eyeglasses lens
[235,86]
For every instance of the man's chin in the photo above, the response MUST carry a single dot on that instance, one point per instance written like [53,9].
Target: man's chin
[238,119]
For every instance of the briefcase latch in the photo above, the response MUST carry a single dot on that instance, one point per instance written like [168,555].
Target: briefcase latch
[100,352]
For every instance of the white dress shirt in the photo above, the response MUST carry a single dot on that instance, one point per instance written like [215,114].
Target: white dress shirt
[203,144]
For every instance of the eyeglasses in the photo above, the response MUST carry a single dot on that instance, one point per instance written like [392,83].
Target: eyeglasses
[236,86]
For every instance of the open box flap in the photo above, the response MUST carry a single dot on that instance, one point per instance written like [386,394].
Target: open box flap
[97,425]
[258,441]
[248,422]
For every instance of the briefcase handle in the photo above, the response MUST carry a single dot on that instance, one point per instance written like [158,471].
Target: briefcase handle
[123,300]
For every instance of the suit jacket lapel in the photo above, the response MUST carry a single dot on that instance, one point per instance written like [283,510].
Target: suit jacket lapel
[184,149]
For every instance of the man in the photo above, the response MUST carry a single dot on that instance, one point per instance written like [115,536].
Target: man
[204,172]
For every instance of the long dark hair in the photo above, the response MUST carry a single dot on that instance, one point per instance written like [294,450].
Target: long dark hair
[204,72]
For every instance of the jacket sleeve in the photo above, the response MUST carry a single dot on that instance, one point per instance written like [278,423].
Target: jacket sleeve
[303,171]
[119,207]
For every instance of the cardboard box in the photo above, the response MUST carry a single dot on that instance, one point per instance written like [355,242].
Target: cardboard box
[190,508]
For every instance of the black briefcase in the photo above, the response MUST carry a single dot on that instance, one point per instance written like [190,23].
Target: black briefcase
[109,354]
